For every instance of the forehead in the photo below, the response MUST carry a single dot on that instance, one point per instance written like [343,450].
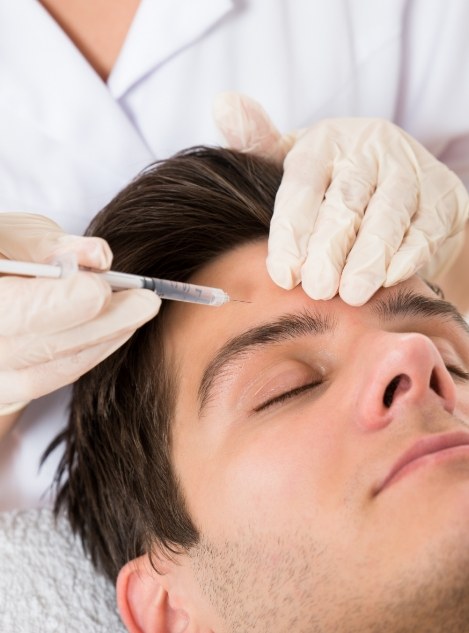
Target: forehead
[195,333]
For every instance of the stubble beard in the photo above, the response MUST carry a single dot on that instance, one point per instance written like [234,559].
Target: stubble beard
[272,585]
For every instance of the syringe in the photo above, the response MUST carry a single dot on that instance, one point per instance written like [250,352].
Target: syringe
[164,288]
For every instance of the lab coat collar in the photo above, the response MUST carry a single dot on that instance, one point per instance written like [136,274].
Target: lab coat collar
[160,30]
[47,81]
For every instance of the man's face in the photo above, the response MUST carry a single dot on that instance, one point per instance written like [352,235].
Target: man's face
[291,415]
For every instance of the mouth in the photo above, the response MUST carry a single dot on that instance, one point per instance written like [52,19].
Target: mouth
[446,446]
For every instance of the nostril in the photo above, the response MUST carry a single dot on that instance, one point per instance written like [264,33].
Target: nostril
[390,391]
[435,383]
[401,382]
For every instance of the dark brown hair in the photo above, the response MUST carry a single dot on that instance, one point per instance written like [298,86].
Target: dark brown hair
[116,482]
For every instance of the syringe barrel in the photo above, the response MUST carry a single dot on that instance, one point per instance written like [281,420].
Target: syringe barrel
[181,291]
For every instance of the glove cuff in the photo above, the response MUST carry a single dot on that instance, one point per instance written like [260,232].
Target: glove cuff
[12,407]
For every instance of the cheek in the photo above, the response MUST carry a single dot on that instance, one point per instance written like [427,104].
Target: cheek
[272,474]
[462,406]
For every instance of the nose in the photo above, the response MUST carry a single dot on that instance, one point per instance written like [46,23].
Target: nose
[401,370]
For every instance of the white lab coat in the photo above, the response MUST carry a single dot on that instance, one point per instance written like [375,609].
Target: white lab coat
[69,142]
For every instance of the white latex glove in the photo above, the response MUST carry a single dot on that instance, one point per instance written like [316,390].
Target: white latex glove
[361,205]
[55,330]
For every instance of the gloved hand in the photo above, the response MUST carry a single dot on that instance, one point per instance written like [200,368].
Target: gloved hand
[54,330]
[361,205]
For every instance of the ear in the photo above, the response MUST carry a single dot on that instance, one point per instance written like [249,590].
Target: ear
[144,600]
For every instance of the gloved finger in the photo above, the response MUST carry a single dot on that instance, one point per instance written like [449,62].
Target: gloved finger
[416,249]
[443,258]
[38,380]
[247,127]
[126,311]
[43,306]
[91,252]
[386,222]
[335,230]
[448,198]
[32,237]
[442,214]
[305,180]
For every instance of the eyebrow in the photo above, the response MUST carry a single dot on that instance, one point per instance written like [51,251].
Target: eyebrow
[287,327]
[406,303]
[403,303]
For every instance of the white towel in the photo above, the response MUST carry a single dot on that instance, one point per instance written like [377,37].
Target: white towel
[47,584]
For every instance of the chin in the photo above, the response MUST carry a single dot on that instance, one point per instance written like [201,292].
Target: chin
[420,586]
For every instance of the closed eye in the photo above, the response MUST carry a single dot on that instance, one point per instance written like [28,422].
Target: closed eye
[287,395]
[457,372]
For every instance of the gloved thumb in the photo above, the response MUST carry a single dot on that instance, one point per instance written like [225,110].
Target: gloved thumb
[31,237]
[246,126]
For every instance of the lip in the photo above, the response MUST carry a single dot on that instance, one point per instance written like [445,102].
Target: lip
[424,446]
